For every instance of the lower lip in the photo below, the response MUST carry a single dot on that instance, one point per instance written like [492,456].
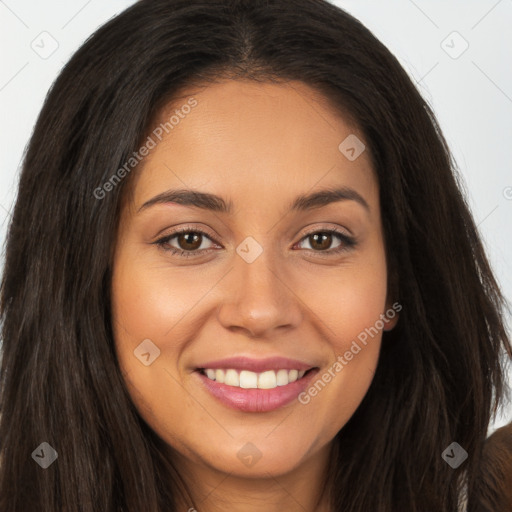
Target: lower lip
[256,400]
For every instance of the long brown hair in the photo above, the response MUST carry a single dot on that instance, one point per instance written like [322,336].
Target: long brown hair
[440,375]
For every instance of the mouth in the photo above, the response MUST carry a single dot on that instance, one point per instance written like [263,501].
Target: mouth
[255,391]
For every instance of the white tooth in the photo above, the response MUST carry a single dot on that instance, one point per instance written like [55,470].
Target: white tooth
[267,380]
[248,380]
[251,380]
[219,376]
[231,378]
[282,377]
[292,375]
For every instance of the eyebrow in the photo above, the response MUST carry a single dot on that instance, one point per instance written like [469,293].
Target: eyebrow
[212,202]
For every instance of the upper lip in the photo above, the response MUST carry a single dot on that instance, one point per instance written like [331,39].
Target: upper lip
[257,365]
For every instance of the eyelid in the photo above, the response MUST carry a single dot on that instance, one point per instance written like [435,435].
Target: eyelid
[187,229]
[334,229]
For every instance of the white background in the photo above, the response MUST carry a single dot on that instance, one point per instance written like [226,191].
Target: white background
[470,91]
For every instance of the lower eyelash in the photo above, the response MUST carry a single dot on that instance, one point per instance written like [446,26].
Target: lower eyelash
[347,243]
[186,254]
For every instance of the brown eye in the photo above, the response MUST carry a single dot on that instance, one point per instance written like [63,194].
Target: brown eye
[321,241]
[186,243]
[189,241]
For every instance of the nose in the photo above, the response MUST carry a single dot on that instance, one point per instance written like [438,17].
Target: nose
[259,298]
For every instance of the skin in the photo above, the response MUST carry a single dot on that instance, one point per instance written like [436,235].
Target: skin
[258,146]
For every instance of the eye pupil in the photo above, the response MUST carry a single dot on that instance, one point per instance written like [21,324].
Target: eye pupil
[189,238]
[323,237]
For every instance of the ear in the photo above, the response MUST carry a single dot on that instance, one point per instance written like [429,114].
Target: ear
[391,314]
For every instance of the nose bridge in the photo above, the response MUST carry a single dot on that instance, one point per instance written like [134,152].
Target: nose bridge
[258,298]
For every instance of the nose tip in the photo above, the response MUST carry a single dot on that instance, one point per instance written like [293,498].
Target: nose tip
[258,300]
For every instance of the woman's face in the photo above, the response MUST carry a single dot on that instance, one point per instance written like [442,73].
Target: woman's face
[265,292]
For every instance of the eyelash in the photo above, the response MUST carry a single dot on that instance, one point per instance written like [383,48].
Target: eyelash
[347,242]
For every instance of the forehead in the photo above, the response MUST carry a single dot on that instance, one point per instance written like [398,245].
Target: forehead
[250,141]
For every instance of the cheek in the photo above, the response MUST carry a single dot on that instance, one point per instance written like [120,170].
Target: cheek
[147,305]
[149,302]
[146,310]
[349,306]
[141,314]
[351,301]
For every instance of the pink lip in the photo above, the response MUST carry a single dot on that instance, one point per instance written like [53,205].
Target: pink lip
[256,400]
[257,365]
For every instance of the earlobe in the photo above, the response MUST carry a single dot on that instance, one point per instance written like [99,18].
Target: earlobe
[390,323]
[391,315]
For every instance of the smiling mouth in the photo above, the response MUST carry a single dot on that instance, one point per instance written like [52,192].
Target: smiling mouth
[246,379]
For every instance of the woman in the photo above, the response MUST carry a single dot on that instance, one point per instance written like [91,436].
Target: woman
[241,275]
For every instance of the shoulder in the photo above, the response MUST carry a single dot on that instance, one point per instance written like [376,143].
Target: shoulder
[493,491]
